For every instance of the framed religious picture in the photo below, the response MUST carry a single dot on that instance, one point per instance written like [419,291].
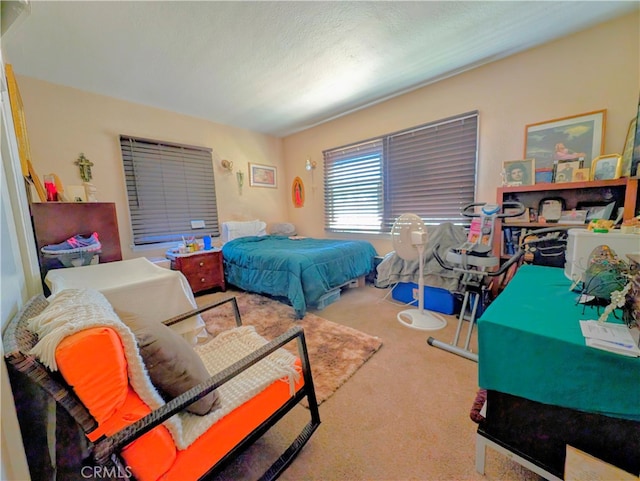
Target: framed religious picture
[297,192]
[577,137]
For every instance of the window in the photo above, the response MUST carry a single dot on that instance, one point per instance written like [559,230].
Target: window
[428,170]
[171,190]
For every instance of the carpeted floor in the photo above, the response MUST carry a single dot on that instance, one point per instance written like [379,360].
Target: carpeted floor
[336,351]
[404,415]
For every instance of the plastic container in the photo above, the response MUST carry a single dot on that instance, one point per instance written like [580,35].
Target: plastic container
[435,298]
[581,242]
[328,298]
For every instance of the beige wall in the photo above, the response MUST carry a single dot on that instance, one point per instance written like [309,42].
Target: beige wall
[63,122]
[593,70]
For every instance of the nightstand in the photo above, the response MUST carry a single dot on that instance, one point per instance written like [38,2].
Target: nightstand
[203,269]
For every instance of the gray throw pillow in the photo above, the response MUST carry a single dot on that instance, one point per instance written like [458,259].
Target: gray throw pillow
[173,365]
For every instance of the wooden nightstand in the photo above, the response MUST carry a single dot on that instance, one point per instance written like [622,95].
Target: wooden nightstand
[204,269]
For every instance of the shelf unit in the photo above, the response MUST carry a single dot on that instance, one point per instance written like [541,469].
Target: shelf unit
[623,191]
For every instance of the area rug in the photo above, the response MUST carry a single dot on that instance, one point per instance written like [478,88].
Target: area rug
[336,352]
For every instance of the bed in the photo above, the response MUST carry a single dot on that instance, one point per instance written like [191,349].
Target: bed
[299,269]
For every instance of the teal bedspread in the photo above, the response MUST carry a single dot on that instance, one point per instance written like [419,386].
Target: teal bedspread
[301,270]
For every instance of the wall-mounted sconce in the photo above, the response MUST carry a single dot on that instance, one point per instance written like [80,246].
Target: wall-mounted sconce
[227,165]
[310,164]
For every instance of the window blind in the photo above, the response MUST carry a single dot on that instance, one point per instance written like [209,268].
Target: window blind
[431,171]
[353,187]
[170,189]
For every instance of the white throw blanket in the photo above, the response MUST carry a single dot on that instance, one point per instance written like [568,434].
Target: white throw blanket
[74,310]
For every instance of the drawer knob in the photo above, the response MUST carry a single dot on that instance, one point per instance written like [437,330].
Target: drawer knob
[202,280]
[201,263]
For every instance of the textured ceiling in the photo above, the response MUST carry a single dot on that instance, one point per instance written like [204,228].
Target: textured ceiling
[278,67]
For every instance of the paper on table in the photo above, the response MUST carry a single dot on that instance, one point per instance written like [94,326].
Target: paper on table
[610,337]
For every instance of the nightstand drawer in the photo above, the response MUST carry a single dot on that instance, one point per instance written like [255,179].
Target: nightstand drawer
[203,270]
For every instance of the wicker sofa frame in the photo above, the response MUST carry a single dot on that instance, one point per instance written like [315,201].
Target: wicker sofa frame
[18,341]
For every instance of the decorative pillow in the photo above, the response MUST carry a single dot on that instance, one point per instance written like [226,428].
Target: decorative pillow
[283,228]
[173,365]
[234,229]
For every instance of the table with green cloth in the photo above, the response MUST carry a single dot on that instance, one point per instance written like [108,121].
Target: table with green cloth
[531,345]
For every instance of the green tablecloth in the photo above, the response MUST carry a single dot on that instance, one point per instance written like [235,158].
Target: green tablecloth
[531,345]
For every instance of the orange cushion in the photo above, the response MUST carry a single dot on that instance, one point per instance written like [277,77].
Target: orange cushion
[106,393]
[220,438]
[92,362]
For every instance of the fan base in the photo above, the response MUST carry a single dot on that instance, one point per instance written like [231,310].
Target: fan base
[423,320]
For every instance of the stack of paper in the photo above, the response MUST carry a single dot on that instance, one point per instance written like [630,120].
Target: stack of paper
[610,337]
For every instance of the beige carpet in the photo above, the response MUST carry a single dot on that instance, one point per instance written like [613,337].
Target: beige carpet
[404,415]
[336,351]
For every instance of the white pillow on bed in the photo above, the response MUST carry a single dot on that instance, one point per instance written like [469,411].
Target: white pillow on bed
[234,229]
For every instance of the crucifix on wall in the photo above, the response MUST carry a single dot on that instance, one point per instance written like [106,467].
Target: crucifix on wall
[84,165]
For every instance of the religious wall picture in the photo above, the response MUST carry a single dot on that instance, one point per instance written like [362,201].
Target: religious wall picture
[577,137]
[518,172]
[262,176]
[297,192]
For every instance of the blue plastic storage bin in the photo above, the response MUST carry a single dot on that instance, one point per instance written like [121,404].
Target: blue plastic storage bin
[435,298]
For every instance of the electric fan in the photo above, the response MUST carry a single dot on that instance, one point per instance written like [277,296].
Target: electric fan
[409,238]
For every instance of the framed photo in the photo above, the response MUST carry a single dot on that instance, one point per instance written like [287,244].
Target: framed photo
[262,176]
[550,208]
[564,169]
[597,210]
[75,193]
[606,167]
[581,175]
[519,172]
[578,137]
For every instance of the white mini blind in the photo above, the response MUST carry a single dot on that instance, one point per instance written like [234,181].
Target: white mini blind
[171,190]
[353,188]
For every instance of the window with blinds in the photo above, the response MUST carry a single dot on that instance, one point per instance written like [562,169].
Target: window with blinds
[429,170]
[171,190]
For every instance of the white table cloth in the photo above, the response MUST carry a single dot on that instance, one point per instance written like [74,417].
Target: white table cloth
[136,286]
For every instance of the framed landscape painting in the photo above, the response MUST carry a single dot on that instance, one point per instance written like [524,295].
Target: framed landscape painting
[578,137]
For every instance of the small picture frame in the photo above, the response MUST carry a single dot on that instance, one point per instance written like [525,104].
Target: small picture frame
[519,172]
[581,175]
[597,210]
[75,193]
[262,176]
[564,169]
[606,167]
[550,208]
